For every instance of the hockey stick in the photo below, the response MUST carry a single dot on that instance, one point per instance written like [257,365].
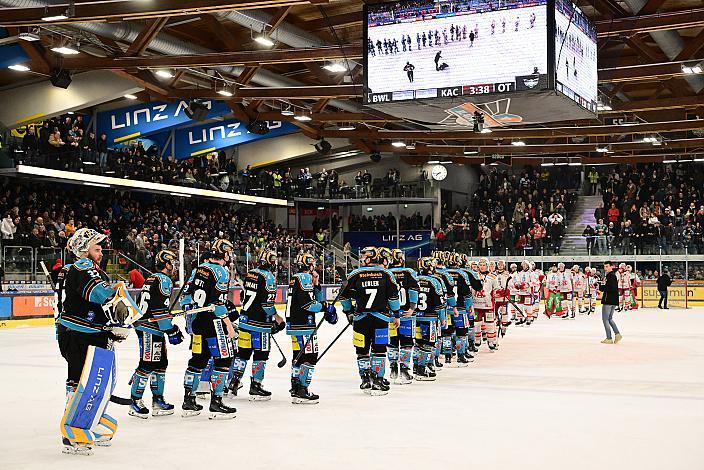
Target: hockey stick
[282,362]
[178,313]
[333,341]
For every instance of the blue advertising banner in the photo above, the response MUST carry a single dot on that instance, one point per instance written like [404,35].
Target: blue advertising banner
[207,138]
[147,118]
[410,241]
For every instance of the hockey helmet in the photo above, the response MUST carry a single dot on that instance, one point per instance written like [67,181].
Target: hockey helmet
[385,254]
[454,259]
[426,265]
[513,267]
[221,248]
[629,268]
[369,254]
[163,258]
[587,270]
[83,239]
[531,263]
[399,257]
[622,267]
[525,265]
[561,266]
[501,266]
[553,268]
[473,265]
[305,261]
[575,268]
[483,264]
[267,258]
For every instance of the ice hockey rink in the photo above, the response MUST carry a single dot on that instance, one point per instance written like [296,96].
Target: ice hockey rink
[552,397]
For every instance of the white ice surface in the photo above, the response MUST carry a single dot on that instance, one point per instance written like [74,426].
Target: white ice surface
[553,397]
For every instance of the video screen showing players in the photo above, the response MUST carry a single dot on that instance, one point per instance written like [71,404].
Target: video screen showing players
[575,55]
[414,49]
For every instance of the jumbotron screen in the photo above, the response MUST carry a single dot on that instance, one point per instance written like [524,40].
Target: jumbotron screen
[419,49]
[575,55]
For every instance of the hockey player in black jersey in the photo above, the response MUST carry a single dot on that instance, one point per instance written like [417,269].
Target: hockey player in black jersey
[444,344]
[369,298]
[211,331]
[431,303]
[464,283]
[258,321]
[305,299]
[93,314]
[154,300]
[401,339]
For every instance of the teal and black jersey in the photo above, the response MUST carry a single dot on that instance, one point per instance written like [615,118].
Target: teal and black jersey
[258,297]
[463,287]
[373,290]
[431,298]
[208,285]
[449,286]
[85,291]
[60,293]
[153,301]
[303,302]
[407,287]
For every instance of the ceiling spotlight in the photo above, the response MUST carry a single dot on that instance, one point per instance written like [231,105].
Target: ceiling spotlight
[518,143]
[224,92]
[19,68]
[29,36]
[575,164]
[346,127]
[547,164]
[130,96]
[303,117]
[288,111]
[669,161]
[486,130]
[603,107]
[470,152]
[164,74]
[65,50]
[335,67]
[691,69]
[398,143]
[58,17]
[433,162]
[446,162]
[411,146]
[264,40]
[602,149]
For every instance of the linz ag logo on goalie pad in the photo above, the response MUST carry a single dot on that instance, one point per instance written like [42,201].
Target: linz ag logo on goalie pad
[531,82]
[450,92]
[379,97]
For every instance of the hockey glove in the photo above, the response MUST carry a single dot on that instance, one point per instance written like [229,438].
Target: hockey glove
[189,318]
[232,312]
[331,314]
[175,335]
[350,317]
[276,327]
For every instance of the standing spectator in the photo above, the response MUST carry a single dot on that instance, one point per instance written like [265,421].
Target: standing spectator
[613,214]
[664,281]
[333,183]
[557,233]
[8,227]
[102,148]
[537,233]
[601,231]
[593,181]
[626,234]
[588,235]
[367,181]
[599,212]
[609,302]
[30,144]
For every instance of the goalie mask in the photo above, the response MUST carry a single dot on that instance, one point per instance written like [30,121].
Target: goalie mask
[82,240]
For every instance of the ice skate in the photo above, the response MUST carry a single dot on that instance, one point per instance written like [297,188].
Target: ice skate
[437,363]
[301,396]
[366,384]
[76,448]
[617,338]
[423,375]
[189,407]
[234,385]
[103,441]
[379,388]
[394,370]
[137,409]
[160,407]
[493,347]
[220,411]
[462,361]
[257,393]
[404,377]
[448,360]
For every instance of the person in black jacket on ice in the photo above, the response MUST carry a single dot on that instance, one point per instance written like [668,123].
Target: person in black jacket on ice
[609,303]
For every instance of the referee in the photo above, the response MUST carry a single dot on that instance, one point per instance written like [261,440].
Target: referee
[609,303]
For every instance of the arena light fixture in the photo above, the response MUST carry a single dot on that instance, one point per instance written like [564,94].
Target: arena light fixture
[446,162]
[575,164]
[686,160]
[433,162]
[486,130]
[398,143]
[19,68]
[411,146]
[288,111]
[98,185]
[602,149]
[518,143]
[698,159]
[547,164]
[180,194]
[65,50]
[335,67]
[303,117]
[59,17]
[264,40]
[346,127]
[29,36]
[470,152]
[669,161]
[689,69]
[603,107]
[164,74]
[225,92]
[130,96]
[561,164]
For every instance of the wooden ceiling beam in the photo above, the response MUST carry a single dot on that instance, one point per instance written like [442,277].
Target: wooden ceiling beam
[224,35]
[617,27]
[146,36]
[130,10]
[688,102]
[216,59]
[651,7]
[693,46]
[346,19]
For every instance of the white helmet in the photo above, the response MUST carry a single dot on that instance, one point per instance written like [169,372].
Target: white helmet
[525,264]
[629,268]
[513,267]
[531,263]
[501,265]
[561,266]
[575,268]
[588,270]
[83,239]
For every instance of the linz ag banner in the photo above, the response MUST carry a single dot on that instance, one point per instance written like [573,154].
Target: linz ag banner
[197,140]
[410,241]
[148,118]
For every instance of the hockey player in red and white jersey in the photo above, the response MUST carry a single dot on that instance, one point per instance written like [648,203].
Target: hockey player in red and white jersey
[624,287]
[553,304]
[579,282]
[525,295]
[592,289]
[501,297]
[536,285]
[566,290]
[484,306]
[513,292]
[635,282]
